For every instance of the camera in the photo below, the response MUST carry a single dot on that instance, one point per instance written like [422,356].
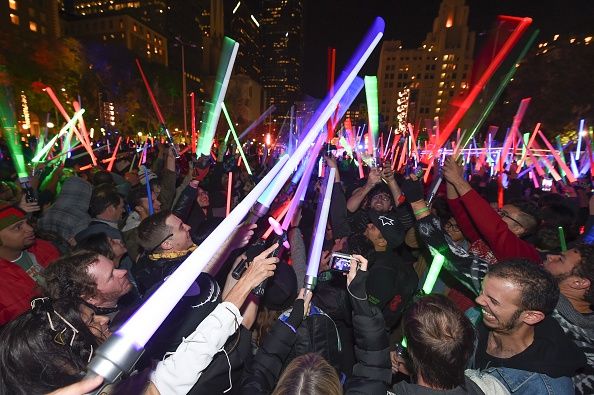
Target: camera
[547,184]
[340,262]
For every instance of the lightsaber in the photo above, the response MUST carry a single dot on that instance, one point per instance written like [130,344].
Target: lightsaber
[500,89]
[119,353]
[532,137]
[211,114]
[307,167]
[149,194]
[232,128]
[326,108]
[258,121]
[319,233]
[372,112]
[433,273]
[562,164]
[158,113]
[60,107]
[485,77]
[85,134]
[579,139]
[193,122]
[42,153]
[113,156]
[122,349]
[229,186]
[562,241]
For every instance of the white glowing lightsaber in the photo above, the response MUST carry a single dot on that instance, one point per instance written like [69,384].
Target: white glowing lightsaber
[51,143]
[303,184]
[318,238]
[121,350]
[119,353]
[579,142]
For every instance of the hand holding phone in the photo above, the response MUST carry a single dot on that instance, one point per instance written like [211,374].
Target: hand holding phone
[340,262]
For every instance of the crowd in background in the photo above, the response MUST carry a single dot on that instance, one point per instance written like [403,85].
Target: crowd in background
[511,311]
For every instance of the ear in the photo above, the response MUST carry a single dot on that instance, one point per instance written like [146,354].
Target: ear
[166,245]
[579,283]
[381,242]
[532,317]
[140,210]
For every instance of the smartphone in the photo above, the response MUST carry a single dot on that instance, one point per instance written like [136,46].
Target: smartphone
[340,262]
[547,184]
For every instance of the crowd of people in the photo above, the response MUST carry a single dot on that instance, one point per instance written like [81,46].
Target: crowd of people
[511,312]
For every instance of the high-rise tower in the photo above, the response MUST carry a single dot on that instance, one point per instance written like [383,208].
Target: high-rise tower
[281,25]
[436,73]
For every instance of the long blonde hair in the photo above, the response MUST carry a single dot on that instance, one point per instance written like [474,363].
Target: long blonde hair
[309,374]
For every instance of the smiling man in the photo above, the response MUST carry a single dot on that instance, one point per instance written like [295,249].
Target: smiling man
[518,340]
[89,276]
[22,260]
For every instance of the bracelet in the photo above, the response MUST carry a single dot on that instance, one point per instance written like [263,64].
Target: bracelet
[421,211]
[401,199]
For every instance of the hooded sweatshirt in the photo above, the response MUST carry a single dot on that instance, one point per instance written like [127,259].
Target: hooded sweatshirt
[69,214]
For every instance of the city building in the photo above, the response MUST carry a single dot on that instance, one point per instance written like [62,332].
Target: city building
[149,12]
[244,28]
[139,38]
[32,18]
[281,24]
[436,73]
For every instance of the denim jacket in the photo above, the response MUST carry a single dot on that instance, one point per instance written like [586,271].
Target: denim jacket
[530,383]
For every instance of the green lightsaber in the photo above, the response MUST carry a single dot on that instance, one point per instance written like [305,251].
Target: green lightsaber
[232,128]
[43,152]
[212,110]
[372,111]
[562,239]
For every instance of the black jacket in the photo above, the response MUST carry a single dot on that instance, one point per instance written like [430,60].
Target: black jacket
[372,372]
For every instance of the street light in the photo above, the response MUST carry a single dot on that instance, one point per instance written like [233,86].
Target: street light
[183,44]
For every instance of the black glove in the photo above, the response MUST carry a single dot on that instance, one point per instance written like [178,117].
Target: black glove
[296,317]
[413,190]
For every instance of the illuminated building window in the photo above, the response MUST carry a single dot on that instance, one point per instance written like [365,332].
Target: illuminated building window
[134,28]
[14,19]
[12,4]
[450,21]
[32,26]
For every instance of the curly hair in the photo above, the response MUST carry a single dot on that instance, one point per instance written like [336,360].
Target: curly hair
[539,290]
[586,268]
[40,353]
[69,276]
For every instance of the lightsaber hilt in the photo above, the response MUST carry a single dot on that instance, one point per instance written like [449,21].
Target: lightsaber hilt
[257,211]
[280,239]
[115,357]
[309,283]
[170,139]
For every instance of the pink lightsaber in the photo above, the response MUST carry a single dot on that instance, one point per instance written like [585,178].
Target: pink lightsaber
[568,173]
[523,158]
[229,186]
[60,108]
[113,156]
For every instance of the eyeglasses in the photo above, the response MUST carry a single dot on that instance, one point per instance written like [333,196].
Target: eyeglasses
[382,197]
[505,214]
[449,225]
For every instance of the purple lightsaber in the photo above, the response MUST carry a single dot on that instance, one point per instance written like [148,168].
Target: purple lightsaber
[318,238]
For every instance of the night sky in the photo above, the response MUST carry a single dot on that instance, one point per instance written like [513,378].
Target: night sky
[342,24]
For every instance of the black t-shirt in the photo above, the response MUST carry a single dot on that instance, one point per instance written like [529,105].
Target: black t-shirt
[551,353]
